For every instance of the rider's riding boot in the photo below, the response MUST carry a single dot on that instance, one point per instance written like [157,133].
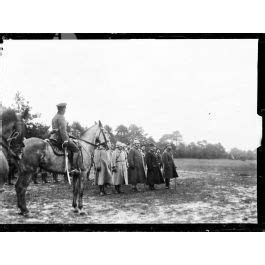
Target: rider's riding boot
[71,160]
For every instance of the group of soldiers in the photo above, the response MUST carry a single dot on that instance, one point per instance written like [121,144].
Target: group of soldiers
[124,165]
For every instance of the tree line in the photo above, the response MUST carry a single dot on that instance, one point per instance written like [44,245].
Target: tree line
[124,134]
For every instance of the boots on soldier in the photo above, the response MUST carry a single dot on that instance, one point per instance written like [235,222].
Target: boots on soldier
[167,183]
[119,189]
[101,193]
[103,190]
[134,188]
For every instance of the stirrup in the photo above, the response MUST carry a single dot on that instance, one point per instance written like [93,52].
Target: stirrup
[75,171]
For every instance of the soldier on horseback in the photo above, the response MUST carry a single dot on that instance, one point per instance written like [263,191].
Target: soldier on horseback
[59,132]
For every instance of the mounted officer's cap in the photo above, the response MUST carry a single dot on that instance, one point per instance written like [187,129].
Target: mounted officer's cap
[61,105]
[151,145]
[169,144]
[136,141]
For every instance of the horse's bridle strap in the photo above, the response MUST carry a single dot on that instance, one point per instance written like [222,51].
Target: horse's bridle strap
[87,142]
[99,144]
[95,145]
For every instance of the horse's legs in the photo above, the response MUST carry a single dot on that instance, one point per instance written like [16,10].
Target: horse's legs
[10,175]
[75,192]
[81,179]
[21,187]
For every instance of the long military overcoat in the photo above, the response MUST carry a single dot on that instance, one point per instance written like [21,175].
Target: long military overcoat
[102,168]
[136,172]
[169,167]
[119,162]
[154,175]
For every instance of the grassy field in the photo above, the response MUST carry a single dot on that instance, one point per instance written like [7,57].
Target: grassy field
[207,191]
[223,166]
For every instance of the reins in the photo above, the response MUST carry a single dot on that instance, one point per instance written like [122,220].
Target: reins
[96,145]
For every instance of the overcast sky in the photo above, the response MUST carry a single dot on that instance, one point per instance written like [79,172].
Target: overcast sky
[206,89]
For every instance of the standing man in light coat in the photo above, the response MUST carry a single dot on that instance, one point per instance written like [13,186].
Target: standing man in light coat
[119,167]
[102,169]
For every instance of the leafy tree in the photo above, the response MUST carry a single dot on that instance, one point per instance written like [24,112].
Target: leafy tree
[38,130]
[111,134]
[135,132]
[22,107]
[34,129]
[76,129]
[122,134]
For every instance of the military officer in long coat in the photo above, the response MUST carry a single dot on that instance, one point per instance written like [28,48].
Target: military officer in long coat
[136,173]
[59,131]
[169,167]
[119,167]
[102,169]
[154,175]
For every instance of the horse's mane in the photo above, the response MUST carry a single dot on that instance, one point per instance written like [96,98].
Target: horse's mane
[87,130]
[8,116]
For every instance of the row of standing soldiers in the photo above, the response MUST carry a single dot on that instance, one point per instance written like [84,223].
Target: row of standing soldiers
[133,166]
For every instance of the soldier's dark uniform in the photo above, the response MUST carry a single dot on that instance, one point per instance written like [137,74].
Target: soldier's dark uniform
[59,133]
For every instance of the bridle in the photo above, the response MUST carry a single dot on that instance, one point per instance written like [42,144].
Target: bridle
[14,134]
[99,144]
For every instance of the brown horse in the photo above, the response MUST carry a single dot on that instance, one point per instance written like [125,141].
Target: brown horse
[11,129]
[38,153]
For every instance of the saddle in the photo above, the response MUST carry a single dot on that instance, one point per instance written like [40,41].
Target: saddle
[56,147]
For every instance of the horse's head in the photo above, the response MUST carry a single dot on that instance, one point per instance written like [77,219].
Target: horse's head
[14,128]
[102,136]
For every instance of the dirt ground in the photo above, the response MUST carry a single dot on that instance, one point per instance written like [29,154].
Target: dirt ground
[206,191]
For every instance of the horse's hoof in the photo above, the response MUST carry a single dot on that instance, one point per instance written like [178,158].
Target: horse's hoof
[82,213]
[76,210]
[24,214]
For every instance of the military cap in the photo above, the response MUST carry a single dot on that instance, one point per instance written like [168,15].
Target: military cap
[151,145]
[61,105]
[168,144]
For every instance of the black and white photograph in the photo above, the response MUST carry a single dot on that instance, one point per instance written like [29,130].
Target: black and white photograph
[128,130]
